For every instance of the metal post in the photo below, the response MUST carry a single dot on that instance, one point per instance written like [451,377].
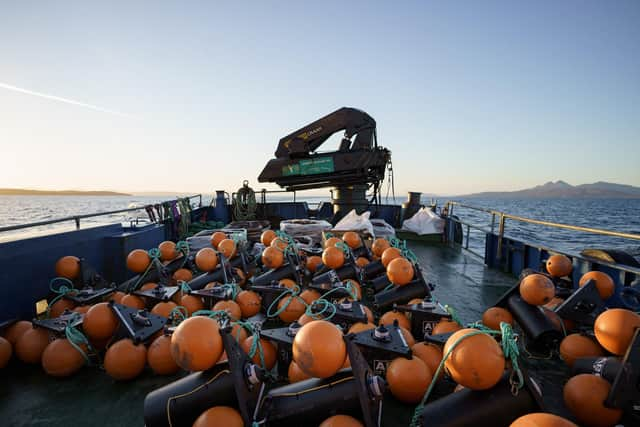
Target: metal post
[466,246]
[500,236]
[77,219]
[493,222]
[200,204]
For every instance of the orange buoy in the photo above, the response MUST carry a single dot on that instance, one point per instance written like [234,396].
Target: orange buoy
[331,241]
[355,288]
[231,307]
[430,354]
[359,327]
[400,271]
[310,295]
[117,297]
[58,307]
[541,419]
[31,345]
[304,319]
[390,316]
[272,257]
[148,286]
[132,301]
[16,330]
[211,285]
[584,395]
[347,362]
[362,261]
[292,308]
[341,421]
[82,309]
[61,359]
[6,350]
[164,308]
[138,260]
[68,267]
[614,329]
[267,237]
[227,248]
[268,352]
[318,349]
[295,374]
[333,257]
[408,337]
[415,301]
[219,416]
[477,362]
[249,303]
[167,250]
[191,303]
[313,262]
[562,325]
[604,283]
[287,283]
[496,315]
[445,326]
[279,243]
[559,266]
[239,333]
[196,344]
[182,274]
[575,346]
[369,313]
[125,360]
[206,259]
[555,301]
[379,246]
[100,322]
[159,356]
[408,379]
[352,239]
[389,255]
[537,289]
[216,238]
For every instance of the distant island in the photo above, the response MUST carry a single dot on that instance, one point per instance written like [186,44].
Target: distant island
[561,189]
[25,192]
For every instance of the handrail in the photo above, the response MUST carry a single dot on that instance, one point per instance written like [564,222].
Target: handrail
[77,218]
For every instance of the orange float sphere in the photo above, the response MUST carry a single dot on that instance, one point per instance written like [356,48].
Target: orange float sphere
[117,297]
[148,286]
[6,350]
[304,319]
[331,241]
[369,313]
[268,352]
[138,260]
[341,421]
[551,305]
[584,395]
[191,303]
[359,327]
[267,237]
[400,271]
[16,330]
[100,322]
[206,259]
[352,239]
[408,337]
[31,345]
[182,274]
[333,257]
[309,296]
[58,307]
[227,248]
[231,307]
[82,309]
[445,326]
[477,362]
[558,322]
[196,344]
[537,289]
[604,283]
[164,308]
[614,329]
[408,379]
[216,238]
[167,250]
[279,243]
[575,346]
[362,261]
[559,266]
[379,246]
[292,308]
[287,283]
[295,374]
[68,266]
[389,255]
[61,359]
[272,257]
[125,360]
[133,301]
[541,419]
[318,349]
[430,354]
[249,303]
[239,333]
[159,356]
[313,262]
[496,315]
[388,318]
[219,416]
[354,287]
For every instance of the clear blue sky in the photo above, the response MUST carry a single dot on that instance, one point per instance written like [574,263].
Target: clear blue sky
[469,96]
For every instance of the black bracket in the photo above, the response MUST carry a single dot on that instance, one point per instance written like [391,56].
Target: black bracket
[366,382]
[381,345]
[625,391]
[424,315]
[583,306]
[159,293]
[213,295]
[269,293]
[88,295]
[283,337]
[139,325]
[348,313]
[417,288]
[60,323]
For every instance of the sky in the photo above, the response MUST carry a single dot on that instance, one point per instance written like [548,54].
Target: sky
[194,96]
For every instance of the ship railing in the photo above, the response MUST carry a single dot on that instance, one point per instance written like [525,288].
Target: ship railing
[78,218]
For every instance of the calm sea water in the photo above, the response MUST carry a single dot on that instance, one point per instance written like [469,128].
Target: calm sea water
[610,214]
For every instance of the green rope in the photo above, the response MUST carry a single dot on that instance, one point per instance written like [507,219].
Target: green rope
[293,292]
[453,314]
[389,286]
[154,254]
[344,248]
[233,287]
[291,248]
[184,286]
[183,247]
[61,290]
[316,314]
[244,203]
[77,338]
[243,325]
[219,315]
[177,315]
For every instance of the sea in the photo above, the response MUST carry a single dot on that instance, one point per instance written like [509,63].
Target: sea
[621,215]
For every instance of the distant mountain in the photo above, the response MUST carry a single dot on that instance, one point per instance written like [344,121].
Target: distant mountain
[561,189]
[25,192]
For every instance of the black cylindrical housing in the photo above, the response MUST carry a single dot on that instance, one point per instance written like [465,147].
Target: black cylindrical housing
[401,294]
[216,275]
[606,367]
[538,328]
[373,269]
[348,197]
[379,283]
[287,271]
[345,272]
[179,403]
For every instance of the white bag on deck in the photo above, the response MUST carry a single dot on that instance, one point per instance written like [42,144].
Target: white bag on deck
[354,222]
[382,228]
[425,221]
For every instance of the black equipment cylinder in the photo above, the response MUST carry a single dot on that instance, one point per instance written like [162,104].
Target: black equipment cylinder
[287,271]
[401,294]
[216,275]
[379,283]
[373,269]
[343,273]
[538,328]
[346,198]
[179,403]
[606,367]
